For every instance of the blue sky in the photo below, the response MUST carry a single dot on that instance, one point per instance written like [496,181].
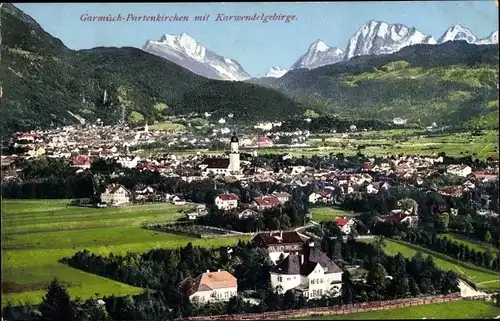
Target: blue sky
[256,45]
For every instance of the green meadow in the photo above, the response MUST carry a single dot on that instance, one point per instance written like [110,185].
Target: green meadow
[36,234]
[471,243]
[483,278]
[463,309]
[329,213]
[382,143]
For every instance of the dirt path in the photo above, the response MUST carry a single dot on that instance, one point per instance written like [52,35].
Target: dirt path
[467,291]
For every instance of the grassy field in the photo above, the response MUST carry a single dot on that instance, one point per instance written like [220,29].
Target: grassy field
[473,244]
[458,144]
[452,144]
[328,213]
[37,234]
[463,309]
[168,126]
[485,279]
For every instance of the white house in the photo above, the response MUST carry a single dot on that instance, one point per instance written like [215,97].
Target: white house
[459,170]
[247,213]
[128,162]
[400,217]
[399,121]
[311,273]
[143,193]
[226,201]
[322,196]
[345,224]
[115,194]
[283,197]
[210,286]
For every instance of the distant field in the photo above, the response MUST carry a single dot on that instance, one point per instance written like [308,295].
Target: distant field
[473,244]
[485,279]
[464,309]
[168,126]
[328,213]
[459,144]
[36,234]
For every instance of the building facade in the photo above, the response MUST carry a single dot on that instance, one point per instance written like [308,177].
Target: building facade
[311,274]
[210,286]
[115,194]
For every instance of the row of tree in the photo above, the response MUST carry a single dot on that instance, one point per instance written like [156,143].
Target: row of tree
[283,217]
[458,250]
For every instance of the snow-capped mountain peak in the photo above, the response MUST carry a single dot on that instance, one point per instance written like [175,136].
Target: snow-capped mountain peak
[458,32]
[318,45]
[276,72]
[378,37]
[185,51]
[318,54]
[492,39]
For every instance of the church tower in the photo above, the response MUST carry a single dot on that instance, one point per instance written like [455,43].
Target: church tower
[234,155]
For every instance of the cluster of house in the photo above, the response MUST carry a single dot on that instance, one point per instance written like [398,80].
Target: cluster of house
[119,195]
[299,266]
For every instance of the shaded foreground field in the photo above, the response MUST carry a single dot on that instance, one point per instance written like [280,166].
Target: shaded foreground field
[464,309]
[484,279]
[36,234]
[328,213]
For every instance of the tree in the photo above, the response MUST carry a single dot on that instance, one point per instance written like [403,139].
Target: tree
[487,237]
[347,288]
[376,278]
[57,305]
[93,310]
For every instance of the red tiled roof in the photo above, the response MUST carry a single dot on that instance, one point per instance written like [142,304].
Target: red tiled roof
[267,201]
[395,217]
[452,191]
[325,193]
[484,173]
[209,281]
[341,221]
[81,160]
[228,197]
[265,139]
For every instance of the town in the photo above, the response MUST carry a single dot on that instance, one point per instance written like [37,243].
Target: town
[285,204]
[168,167]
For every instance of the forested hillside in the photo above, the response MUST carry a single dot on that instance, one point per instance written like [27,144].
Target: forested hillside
[42,80]
[452,83]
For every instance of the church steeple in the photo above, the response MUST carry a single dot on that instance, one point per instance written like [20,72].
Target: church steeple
[234,139]
[234,155]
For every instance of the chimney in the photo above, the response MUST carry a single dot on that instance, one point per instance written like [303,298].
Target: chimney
[208,271]
[311,244]
[302,259]
[218,270]
[281,234]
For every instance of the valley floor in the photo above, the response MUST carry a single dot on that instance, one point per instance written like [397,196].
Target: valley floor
[36,234]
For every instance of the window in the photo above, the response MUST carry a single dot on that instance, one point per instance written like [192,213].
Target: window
[321,280]
[280,279]
[312,281]
[288,279]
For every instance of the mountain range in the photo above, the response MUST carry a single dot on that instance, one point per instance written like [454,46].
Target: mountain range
[188,53]
[372,38]
[45,83]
